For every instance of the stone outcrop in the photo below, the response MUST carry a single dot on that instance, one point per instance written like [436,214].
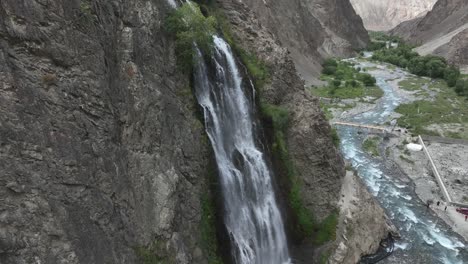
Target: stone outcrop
[443,31]
[100,147]
[363,223]
[383,15]
[311,30]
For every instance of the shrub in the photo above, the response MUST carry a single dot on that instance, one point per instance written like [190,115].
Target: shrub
[191,27]
[329,70]
[367,79]
[336,83]
[461,87]
[335,137]
[327,229]
[451,75]
[330,62]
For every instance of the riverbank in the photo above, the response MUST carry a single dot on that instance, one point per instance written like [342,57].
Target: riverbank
[450,160]
[402,184]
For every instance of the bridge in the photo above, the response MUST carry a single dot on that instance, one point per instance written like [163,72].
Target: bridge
[378,128]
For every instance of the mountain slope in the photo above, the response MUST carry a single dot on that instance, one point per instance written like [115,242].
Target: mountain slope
[442,31]
[312,30]
[382,15]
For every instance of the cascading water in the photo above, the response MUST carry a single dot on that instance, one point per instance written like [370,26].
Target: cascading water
[252,218]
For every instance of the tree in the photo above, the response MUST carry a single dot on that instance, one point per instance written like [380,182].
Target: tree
[461,87]
[329,70]
[451,75]
[367,79]
[435,67]
[330,62]
[336,83]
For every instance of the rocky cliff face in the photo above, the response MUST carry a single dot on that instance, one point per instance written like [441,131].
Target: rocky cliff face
[311,30]
[442,31]
[100,149]
[382,15]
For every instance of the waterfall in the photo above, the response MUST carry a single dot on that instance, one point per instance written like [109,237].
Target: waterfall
[252,217]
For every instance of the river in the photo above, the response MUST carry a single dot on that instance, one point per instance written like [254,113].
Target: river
[425,238]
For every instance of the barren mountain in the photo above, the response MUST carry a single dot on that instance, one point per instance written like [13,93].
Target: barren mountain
[382,15]
[443,31]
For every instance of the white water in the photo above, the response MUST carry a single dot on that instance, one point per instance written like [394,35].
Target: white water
[252,218]
[425,239]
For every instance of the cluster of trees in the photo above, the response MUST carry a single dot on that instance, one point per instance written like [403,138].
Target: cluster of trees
[344,71]
[429,66]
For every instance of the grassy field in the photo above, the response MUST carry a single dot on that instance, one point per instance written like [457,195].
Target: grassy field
[370,145]
[447,109]
[346,82]
[347,92]
[413,83]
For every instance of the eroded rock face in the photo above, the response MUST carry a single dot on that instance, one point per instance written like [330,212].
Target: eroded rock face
[382,15]
[100,149]
[363,223]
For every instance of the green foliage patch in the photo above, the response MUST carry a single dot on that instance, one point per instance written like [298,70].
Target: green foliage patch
[190,28]
[430,66]
[208,229]
[370,145]
[327,229]
[346,82]
[153,254]
[413,84]
[446,108]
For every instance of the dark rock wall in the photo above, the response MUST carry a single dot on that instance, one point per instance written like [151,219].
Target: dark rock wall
[100,148]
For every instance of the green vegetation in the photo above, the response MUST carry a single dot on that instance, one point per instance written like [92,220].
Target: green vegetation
[85,7]
[370,145]
[190,26]
[324,256]
[429,66]
[153,254]
[335,137]
[406,159]
[257,69]
[413,84]
[208,229]
[446,108]
[279,118]
[382,36]
[346,82]
[307,226]
[327,229]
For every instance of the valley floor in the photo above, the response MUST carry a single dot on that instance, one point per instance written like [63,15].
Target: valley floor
[426,107]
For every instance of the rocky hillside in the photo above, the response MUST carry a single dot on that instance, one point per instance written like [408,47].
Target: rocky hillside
[382,15]
[311,30]
[442,31]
